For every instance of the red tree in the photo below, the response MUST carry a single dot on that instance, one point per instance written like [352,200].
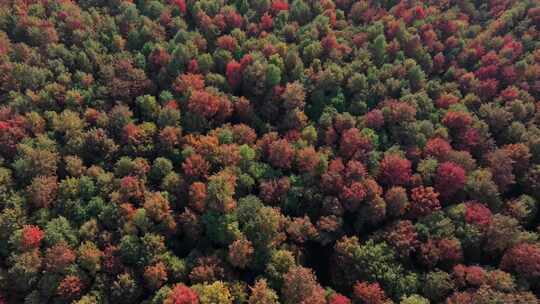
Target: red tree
[279,5]
[355,171]
[227,42]
[374,119]
[332,179]
[465,276]
[437,148]
[450,250]
[187,82]
[234,73]
[273,191]
[196,167]
[523,259]
[266,22]
[478,214]
[197,196]
[233,19]
[70,287]
[353,195]
[10,136]
[181,4]
[369,293]
[131,187]
[338,298]
[450,179]
[181,294]
[403,237]
[203,103]
[353,144]
[395,170]
[307,159]
[280,154]
[425,201]
[243,134]
[446,100]
[457,120]
[31,237]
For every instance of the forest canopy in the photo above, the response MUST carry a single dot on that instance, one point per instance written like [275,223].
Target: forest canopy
[269,151]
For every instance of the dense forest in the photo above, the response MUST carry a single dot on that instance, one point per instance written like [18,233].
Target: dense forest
[270,151]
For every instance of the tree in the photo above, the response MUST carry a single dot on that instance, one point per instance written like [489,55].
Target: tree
[414,299]
[263,226]
[307,159]
[158,209]
[98,145]
[402,236]
[125,288]
[31,163]
[415,74]
[70,287]
[396,201]
[216,292]
[240,253]
[480,187]
[353,195]
[300,11]
[437,148]
[391,146]
[31,237]
[354,145]
[438,284]
[188,82]
[234,73]
[300,285]
[425,201]
[369,293]
[273,75]
[478,214]
[280,154]
[196,167]
[294,96]
[501,234]
[456,120]
[523,259]
[155,275]
[379,49]
[24,270]
[181,294]
[450,179]
[59,257]
[371,262]
[262,294]
[90,257]
[464,276]
[203,103]
[11,135]
[279,264]
[279,6]
[501,167]
[337,298]
[197,196]
[221,187]
[395,170]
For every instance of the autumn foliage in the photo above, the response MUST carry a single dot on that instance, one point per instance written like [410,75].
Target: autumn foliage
[270,151]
